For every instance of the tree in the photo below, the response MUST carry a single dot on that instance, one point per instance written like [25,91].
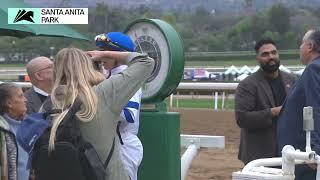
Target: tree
[199,21]
[169,18]
[98,18]
[289,40]
[217,42]
[272,35]
[241,36]
[279,18]
[116,20]
[259,26]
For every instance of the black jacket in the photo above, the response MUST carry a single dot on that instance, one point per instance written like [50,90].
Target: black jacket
[253,101]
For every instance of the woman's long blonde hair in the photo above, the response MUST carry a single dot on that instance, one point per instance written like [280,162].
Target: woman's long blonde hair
[74,71]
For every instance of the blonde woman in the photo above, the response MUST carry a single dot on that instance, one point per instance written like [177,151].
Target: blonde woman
[102,99]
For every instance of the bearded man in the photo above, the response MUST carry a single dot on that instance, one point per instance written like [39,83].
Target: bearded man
[258,102]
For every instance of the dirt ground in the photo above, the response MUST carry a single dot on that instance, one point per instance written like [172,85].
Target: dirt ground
[212,164]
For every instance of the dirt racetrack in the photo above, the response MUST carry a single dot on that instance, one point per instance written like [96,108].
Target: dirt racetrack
[212,164]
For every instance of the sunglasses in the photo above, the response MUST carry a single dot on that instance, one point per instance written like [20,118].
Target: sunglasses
[108,41]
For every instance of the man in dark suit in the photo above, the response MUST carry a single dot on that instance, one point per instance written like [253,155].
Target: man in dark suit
[40,71]
[258,102]
[306,92]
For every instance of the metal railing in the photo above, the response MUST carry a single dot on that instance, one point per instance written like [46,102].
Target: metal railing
[193,144]
[217,90]
[182,86]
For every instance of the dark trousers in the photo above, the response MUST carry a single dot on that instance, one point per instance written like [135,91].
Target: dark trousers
[304,172]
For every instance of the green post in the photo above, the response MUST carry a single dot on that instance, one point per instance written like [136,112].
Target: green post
[160,135]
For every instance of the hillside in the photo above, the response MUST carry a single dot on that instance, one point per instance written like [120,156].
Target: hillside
[217,6]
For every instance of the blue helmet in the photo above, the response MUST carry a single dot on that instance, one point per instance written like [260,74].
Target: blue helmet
[115,41]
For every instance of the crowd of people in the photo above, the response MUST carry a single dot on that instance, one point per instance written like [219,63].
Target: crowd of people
[98,106]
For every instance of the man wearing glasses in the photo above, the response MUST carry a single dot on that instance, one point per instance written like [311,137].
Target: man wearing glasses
[40,72]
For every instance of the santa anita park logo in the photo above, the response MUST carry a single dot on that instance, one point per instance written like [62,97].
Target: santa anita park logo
[47,15]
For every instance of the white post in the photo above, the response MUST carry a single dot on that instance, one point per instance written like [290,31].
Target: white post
[223,97]
[308,139]
[187,158]
[193,143]
[177,100]
[308,125]
[216,101]
[288,164]
[290,155]
[171,100]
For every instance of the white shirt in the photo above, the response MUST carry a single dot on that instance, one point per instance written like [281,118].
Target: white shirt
[38,90]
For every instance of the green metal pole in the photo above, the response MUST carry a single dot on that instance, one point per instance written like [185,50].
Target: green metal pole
[160,135]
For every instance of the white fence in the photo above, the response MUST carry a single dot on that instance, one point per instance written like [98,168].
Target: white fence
[219,91]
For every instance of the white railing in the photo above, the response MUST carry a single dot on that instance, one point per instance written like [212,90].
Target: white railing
[184,86]
[194,143]
[208,86]
[219,91]
[258,169]
[216,88]
[22,84]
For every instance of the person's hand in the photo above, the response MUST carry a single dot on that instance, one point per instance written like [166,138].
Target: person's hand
[312,166]
[32,175]
[107,55]
[96,55]
[275,111]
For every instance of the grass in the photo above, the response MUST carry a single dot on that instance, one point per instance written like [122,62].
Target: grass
[195,63]
[200,103]
[11,65]
[235,63]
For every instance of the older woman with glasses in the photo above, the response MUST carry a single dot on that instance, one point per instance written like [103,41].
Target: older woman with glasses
[12,111]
